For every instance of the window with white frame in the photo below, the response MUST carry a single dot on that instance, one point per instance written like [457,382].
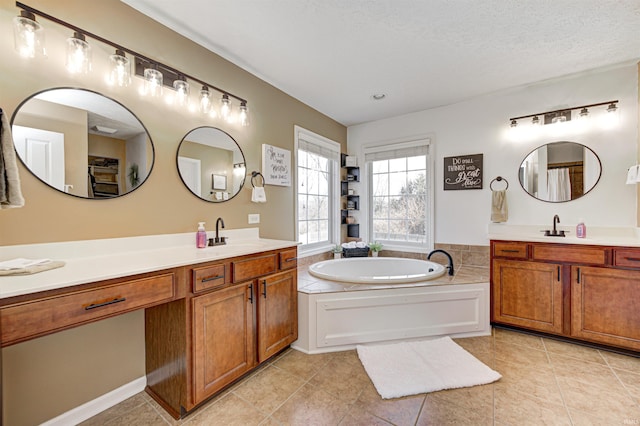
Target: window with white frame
[400,194]
[317,170]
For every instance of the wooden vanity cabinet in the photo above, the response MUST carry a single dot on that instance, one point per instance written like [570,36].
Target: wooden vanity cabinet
[585,292]
[240,312]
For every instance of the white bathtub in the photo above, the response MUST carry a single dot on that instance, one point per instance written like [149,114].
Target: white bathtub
[377,270]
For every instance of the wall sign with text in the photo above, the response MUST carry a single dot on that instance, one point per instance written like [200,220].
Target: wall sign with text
[276,165]
[463,172]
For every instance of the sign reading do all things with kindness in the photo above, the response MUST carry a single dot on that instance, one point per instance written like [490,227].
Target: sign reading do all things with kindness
[276,165]
[463,172]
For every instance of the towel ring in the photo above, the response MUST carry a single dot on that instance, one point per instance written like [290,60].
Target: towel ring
[254,175]
[499,178]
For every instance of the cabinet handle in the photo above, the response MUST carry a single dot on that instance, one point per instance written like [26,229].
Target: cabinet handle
[578,275]
[99,305]
[633,259]
[251,293]
[558,273]
[293,259]
[264,291]
[510,251]
[217,277]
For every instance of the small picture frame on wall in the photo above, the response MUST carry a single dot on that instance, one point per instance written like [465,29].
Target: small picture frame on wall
[463,172]
[218,182]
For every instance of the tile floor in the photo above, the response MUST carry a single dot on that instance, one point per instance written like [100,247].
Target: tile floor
[545,382]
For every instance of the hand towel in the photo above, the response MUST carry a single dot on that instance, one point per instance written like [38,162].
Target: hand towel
[632,175]
[258,195]
[28,266]
[10,192]
[499,210]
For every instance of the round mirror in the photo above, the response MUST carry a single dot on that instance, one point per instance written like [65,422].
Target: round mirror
[82,143]
[560,171]
[211,164]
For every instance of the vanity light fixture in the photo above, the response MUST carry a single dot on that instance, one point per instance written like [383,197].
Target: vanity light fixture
[152,82]
[28,35]
[225,107]
[243,114]
[205,100]
[564,115]
[78,54]
[29,42]
[535,121]
[120,69]
[182,91]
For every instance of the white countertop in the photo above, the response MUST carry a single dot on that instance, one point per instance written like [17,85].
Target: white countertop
[96,260]
[604,236]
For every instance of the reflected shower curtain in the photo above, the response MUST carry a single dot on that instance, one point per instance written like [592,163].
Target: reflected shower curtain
[559,184]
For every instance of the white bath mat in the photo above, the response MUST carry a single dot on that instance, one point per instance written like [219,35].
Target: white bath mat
[410,368]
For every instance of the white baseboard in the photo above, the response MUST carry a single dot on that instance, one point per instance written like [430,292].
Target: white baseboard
[98,405]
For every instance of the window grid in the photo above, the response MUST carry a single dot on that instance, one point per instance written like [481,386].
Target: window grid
[314,198]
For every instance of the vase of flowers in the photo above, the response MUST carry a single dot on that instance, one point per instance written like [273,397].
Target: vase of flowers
[337,251]
[375,247]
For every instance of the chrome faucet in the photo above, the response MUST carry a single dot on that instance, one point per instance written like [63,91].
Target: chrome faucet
[554,232]
[218,240]
[450,267]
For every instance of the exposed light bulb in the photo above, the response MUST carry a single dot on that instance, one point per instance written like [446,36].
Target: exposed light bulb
[152,82]
[243,114]
[205,100]
[225,107]
[535,121]
[78,54]
[120,69]
[182,91]
[28,35]
[611,117]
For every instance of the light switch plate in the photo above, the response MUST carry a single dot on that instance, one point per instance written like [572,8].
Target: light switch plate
[254,218]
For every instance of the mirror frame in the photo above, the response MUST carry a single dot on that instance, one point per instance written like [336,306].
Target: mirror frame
[153,149]
[244,178]
[565,201]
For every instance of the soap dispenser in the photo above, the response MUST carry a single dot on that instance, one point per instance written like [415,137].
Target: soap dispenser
[581,229]
[201,236]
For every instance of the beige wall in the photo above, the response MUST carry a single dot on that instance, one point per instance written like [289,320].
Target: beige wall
[162,205]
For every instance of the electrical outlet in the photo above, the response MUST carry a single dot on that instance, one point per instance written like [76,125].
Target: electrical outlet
[254,218]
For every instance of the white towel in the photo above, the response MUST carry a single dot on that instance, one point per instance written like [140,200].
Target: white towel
[10,192]
[361,244]
[632,175]
[499,210]
[258,195]
[20,263]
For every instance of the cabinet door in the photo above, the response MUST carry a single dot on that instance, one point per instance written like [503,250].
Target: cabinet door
[527,294]
[277,313]
[604,306]
[223,338]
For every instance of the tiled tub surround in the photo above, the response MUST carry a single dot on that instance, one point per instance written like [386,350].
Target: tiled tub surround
[336,316]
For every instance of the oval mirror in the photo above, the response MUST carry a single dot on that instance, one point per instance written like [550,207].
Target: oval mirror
[211,164]
[560,171]
[82,143]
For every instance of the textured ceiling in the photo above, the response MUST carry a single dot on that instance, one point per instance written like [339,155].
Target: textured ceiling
[335,54]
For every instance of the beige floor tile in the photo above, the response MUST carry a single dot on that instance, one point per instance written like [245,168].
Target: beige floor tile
[622,362]
[358,417]
[142,415]
[476,345]
[539,382]
[301,364]
[580,418]
[586,372]
[230,410]
[517,338]
[477,399]
[270,421]
[269,389]
[524,355]
[446,412]
[595,399]
[516,408]
[631,382]
[311,406]
[399,411]
[573,350]
[117,410]
[342,379]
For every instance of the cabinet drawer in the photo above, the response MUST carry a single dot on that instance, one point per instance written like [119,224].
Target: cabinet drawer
[288,259]
[40,317]
[573,254]
[510,249]
[244,270]
[208,277]
[628,258]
